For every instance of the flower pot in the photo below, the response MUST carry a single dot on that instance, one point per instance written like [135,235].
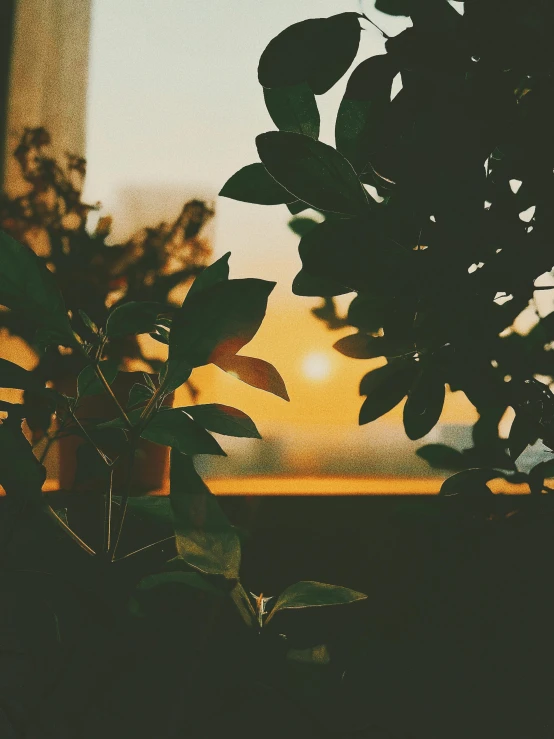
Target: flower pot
[152,460]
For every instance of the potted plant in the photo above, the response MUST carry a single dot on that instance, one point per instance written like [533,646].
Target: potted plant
[433,210]
[94,276]
[131,617]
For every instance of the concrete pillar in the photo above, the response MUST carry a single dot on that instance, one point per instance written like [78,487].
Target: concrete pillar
[48,76]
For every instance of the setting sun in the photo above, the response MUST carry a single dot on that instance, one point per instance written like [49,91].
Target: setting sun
[316,366]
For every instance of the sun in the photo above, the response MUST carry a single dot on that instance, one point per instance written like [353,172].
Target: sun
[316,366]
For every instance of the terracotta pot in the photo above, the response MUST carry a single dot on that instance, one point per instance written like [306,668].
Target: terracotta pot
[152,460]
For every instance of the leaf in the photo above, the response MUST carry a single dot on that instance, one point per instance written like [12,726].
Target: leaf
[301,226]
[14,376]
[216,272]
[297,206]
[521,435]
[175,372]
[29,288]
[204,538]
[255,372]
[173,427]
[154,508]
[310,594]
[317,51]
[314,172]
[393,7]
[471,483]
[425,403]
[307,285]
[293,109]
[190,579]
[362,110]
[385,387]
[91,470]
[133,318]
[218,321]
[441,456]
[139,395]
[362,346]
[222,419]
[89,384]
[21,474]
[254,184]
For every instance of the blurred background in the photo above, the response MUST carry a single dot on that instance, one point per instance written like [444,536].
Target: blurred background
[162,99]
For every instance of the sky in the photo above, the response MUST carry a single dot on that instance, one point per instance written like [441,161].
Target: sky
[174,107]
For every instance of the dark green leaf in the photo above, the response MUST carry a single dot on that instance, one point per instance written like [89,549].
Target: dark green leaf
[362,346]
[362,110]
[470,483]
[89,384]
[425,403]
[139,395]
[367,313]
[441,456]
[154,508]
[28,287]
[222,419]
[309,594]
[521,435]
[218,321]
[175,372]
[316,173]
[173,427]
[14,376]
[293,109]
[205,539]
[301,226]
[297,206]
[394,7]
[211,275]
[254,184]
[91,469]
[21,474]
[255,372]
[385,388]
[133,318]
[89,323]
[317,51]
[307,285]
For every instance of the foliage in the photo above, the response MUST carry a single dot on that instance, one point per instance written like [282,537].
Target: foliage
[201,551]
[433,208]
[94,276]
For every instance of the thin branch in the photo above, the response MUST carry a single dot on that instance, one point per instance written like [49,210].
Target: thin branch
[142,549]
[77,539]
[124,501]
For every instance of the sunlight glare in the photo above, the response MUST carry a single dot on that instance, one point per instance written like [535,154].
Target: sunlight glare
[316,366]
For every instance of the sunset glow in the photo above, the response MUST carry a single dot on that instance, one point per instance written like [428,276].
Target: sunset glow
[316,366]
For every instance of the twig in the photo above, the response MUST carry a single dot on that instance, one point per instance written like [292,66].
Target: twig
[142,549]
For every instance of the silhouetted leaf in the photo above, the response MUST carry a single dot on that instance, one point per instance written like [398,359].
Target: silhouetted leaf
[441,456]
[222,419]
[361,113]
[307,285]
[133,318]
[385,387]
[211,275]
[470,483]
[362,346]
[310,594]
[174,373]
[254,184]
[154,508]
[190,579]
[21,474]
[425,403]
[89,384]
[218,321]
[255,372]
[297,206]
[173,427]
[14,376]
[29,288]
[317,51]
[314,172]
[293,109]
[521,436]
[205,540]
[394,7]
[301,226]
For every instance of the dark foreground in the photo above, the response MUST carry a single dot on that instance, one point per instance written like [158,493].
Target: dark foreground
[455,641]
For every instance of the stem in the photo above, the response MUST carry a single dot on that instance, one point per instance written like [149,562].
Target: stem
[148,546]
[124,500]
[77,539]
[110,392]
[108,516]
